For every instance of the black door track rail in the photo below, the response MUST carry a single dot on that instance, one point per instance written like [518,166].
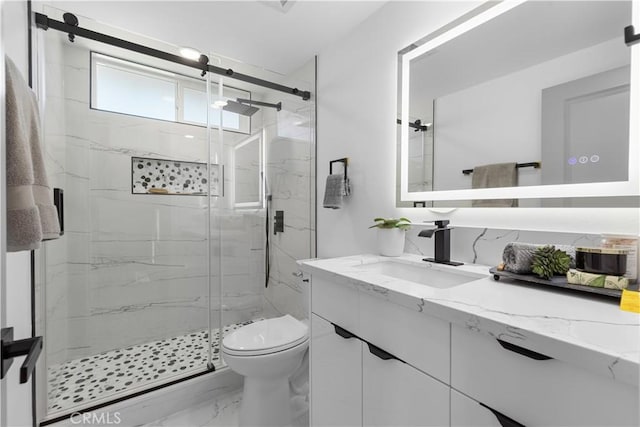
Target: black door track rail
[71,27]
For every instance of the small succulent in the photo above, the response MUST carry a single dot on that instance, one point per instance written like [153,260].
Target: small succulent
[401,223]
[547,261]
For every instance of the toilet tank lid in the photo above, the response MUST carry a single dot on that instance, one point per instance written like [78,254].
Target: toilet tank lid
[266,334]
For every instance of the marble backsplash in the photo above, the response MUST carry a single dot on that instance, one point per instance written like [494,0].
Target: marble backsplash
[485,246]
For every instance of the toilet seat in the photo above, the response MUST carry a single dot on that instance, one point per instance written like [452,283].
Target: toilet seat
[266,337]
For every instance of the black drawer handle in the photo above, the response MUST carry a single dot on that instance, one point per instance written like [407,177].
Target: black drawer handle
[503,419]
[523,351]
[343,332]
[380,353]
[30,347]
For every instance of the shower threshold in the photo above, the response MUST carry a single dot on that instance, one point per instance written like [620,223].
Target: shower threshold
[91,380]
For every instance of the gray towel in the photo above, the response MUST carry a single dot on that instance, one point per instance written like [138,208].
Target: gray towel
[335,189]
[492,176]
[518,257]
[31,215]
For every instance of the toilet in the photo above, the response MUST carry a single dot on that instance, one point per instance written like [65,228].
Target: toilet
[266,353]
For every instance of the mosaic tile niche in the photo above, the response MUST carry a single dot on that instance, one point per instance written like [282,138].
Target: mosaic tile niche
[157,176]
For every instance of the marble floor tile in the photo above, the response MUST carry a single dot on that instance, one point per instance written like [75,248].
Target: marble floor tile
[220,413]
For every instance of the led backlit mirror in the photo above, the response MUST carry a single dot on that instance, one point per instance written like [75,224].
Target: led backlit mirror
[546,86]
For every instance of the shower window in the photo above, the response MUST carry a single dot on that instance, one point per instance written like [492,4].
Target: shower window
[121,86]
[194,111]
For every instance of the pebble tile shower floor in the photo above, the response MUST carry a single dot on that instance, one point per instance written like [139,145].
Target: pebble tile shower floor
[80,381]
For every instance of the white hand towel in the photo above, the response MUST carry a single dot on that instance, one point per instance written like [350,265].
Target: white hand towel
[31,215]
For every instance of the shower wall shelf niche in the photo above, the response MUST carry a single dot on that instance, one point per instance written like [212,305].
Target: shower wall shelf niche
[173,177]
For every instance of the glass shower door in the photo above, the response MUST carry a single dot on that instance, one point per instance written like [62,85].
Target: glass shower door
[126,290]
[269,170]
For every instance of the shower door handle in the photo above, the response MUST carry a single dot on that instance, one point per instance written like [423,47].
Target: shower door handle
[58,201]
[30,347]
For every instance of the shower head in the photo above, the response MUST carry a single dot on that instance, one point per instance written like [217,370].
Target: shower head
[277,106]
[239,108]
[245,107]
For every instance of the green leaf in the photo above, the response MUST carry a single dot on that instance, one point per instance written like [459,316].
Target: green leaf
[547,261]
[597,282]
[402,223]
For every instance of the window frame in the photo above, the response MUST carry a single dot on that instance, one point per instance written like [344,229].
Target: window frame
[181,81]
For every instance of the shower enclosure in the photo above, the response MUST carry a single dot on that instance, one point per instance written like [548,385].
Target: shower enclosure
[170,181]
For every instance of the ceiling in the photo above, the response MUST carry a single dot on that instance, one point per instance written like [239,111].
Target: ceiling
[263,33]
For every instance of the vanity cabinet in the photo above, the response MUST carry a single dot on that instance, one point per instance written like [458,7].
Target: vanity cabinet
[355,383]
[395,393]
[533,389]
[374,362]
[336,376]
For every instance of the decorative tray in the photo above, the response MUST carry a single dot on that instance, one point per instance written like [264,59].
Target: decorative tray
[556,281]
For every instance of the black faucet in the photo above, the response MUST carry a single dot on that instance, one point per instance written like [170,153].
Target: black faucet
[442,243]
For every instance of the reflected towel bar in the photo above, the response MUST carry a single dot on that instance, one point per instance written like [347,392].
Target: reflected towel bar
[417,125]
[535,165]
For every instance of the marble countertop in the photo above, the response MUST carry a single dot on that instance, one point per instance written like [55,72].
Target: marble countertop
[592,333]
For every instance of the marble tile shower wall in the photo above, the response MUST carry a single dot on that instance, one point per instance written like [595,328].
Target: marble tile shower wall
[485,246]
[291,174]
[130,268]
[242,265]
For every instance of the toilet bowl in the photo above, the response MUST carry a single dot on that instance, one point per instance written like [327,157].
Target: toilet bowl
[266,353]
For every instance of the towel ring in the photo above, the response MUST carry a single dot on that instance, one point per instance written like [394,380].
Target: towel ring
[344,160]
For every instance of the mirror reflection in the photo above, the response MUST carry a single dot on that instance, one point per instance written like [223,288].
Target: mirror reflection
[247,170]
[538,95]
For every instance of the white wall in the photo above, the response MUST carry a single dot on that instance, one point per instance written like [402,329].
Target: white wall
[357,83]
[499,120]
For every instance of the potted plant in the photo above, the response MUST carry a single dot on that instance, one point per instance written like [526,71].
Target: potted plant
[391,234]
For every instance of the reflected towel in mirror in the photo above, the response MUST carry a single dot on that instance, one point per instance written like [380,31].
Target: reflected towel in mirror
[492,176]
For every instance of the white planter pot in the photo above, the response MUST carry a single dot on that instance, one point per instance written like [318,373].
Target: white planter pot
[391,241]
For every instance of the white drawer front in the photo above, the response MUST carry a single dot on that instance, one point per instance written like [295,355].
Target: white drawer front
[336,377]
[418,339]
[335,302]
[396,394]
[537,392]
[466,412]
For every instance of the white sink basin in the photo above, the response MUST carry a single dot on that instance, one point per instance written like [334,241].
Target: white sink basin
[434,276]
